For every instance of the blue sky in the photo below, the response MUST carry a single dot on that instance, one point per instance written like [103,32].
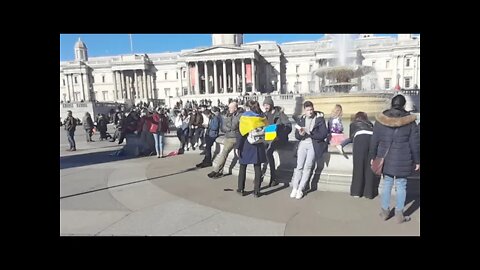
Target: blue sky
[115,44]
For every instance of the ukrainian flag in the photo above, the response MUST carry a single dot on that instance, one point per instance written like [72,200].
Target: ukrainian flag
[270,132]
[250,121]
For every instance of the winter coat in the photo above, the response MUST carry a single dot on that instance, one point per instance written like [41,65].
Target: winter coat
[196,121]
[87,122]
[214,126]
[70,123]
[230,124]
[180,123]
[279,118]
[318,134]
[102,124]
[159,123]
[405,144]
[250,153]
[359,125]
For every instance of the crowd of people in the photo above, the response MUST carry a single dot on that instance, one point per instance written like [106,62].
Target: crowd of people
[394,137]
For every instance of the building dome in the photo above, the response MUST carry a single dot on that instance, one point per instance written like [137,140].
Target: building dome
[227,39]
[80,44]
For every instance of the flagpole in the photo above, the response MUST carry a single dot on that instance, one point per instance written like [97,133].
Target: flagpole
[131,44]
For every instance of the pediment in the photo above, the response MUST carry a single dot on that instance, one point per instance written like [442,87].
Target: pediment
[218,50]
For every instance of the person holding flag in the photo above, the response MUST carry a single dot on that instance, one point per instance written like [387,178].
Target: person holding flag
[250,147]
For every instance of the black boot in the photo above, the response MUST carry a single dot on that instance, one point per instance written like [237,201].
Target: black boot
[273,183]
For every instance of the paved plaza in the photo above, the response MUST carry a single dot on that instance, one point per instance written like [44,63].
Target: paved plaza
[103,194]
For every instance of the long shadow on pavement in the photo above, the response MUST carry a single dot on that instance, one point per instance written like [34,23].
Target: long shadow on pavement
[130,183]
[86,159]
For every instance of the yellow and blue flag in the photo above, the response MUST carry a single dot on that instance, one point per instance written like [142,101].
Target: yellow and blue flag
[270,132]
[250,121]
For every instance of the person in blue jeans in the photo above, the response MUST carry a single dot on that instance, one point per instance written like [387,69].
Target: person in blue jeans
[396,130]
[70,124]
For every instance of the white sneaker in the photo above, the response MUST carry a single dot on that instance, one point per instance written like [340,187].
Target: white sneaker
[340,149]
[299,195]
[196,144]
[294,193]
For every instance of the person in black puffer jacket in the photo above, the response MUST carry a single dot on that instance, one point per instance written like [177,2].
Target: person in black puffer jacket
[396,128]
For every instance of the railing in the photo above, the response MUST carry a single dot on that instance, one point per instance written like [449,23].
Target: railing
[411,92]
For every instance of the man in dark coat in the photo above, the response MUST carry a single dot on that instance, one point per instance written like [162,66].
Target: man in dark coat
[275,115]
[88,126]
[396,131]
[70,124]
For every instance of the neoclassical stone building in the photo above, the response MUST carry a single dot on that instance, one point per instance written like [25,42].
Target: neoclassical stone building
[231,67]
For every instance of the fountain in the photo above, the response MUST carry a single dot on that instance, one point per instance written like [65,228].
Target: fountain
[338,80]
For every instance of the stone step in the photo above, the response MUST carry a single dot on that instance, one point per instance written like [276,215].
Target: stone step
[335,175]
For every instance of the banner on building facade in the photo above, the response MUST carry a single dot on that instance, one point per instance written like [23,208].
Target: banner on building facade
[248,72]
[192,75]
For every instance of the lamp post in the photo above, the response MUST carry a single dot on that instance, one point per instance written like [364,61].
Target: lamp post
[273,85]
[397,87]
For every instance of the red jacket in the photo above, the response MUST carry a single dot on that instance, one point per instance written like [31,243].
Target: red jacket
[159,123]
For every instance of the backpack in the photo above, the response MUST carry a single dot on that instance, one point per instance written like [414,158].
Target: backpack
[256,136]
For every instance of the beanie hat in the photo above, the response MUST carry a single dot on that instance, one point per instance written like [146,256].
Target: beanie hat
[268,100]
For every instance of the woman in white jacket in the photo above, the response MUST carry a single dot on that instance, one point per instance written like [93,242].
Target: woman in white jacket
[181,123]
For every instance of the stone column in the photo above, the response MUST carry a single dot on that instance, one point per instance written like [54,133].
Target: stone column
[244,88]
[147,85]
[83,87]
[205,72]
[68,87]
[268,83]
[234,76]
[115,94]
[403,71]
[189,85]
[150,83]
[144,85]
[181,84]
[224,77]
[215,81]
[122,80]
[278,83]
[254,77]
[197,79]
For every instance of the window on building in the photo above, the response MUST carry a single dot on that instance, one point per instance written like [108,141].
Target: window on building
[165,75]
[77,96]
[387,64]
[103,78]
[185,91]
[387,83]
[184,74]
[63,82]
[167,92]
[75,80]
[93,79]
[177,94]
[408,62]
[310,68]
[105,95]
[373,63]
[407,82]
[177,75]
[297,67]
